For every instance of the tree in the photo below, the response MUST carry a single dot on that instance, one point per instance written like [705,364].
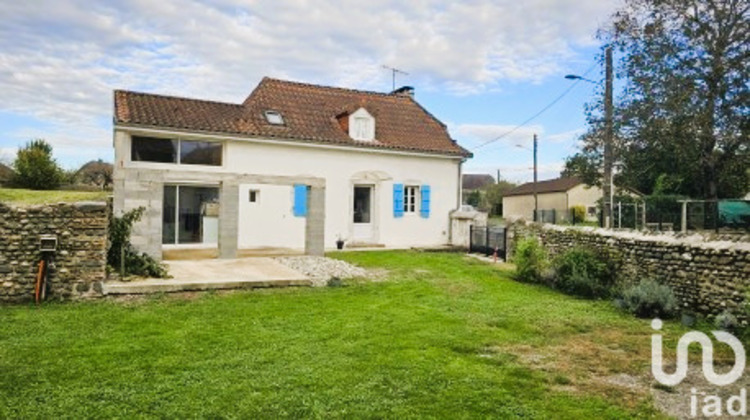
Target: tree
[492,199]
[96,172]
[683,119]
[35,168]
[473,198]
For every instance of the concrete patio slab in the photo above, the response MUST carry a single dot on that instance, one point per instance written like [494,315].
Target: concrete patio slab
[241,273]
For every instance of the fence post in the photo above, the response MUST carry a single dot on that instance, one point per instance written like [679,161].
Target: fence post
[471,238]
[683,221]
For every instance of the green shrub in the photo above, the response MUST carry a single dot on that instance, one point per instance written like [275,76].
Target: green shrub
[726,321]
[582,272]
[531,260]
[649,299]
[578,214]
[35,168]
[122,256]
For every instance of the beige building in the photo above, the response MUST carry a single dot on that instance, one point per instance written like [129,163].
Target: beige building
[555,196]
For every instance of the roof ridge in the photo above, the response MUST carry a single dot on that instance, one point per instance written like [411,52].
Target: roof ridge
[181,98]
[304,84]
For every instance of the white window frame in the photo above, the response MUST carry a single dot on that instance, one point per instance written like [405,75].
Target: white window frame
[274,117]
[412,199]
[361,125]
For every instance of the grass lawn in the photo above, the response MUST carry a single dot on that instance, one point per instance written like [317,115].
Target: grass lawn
[25,197]
[442,336]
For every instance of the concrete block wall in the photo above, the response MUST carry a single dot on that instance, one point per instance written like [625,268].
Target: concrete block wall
[78,268]
[706,276]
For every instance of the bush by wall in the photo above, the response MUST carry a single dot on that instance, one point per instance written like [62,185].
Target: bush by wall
[122,257]
[531,260]
[708,273]
[649,299]
[582,272]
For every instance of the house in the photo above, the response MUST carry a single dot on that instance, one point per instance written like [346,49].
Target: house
[292,169]
[558,194]
[474,182]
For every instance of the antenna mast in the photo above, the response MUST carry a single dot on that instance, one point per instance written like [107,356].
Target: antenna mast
[393,73]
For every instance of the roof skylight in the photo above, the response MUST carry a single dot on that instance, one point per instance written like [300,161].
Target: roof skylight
[274,117]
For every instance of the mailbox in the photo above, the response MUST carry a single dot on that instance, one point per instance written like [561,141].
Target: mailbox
[48,243]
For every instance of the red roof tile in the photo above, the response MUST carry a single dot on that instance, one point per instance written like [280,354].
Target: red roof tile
[311,113]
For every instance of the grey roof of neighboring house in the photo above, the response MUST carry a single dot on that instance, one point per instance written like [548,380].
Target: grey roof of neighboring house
[476,181]
[545,187]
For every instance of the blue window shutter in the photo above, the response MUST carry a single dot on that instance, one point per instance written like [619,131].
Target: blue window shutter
[300,200]
[398,200]
[424,210]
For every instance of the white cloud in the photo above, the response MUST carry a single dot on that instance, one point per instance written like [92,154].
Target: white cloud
[61,59]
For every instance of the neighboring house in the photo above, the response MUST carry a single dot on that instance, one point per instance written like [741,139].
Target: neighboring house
[291,169]
[555,194]
[471,185]
[474,182]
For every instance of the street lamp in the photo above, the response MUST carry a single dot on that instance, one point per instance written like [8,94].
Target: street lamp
[536,200]
[609,132]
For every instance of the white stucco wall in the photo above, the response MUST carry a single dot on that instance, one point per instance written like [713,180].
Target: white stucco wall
[523,205]
[269,222]
[342,169]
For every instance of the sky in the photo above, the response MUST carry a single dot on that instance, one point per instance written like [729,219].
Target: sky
[480,66]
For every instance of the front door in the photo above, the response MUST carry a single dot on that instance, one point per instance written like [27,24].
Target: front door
[362,222]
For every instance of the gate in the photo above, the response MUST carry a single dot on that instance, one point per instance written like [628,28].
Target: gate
[487,239]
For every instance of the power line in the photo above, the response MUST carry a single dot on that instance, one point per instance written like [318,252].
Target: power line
[528,120]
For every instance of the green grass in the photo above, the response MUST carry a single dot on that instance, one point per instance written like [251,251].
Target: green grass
[28,197]
[441,337]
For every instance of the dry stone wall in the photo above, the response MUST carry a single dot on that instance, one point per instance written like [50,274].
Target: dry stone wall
[706,276]
[77,269]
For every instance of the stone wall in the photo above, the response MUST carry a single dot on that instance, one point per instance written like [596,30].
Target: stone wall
[706,276]
[78,267]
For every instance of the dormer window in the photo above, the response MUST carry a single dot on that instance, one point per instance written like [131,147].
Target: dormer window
[274,117]
[362,125]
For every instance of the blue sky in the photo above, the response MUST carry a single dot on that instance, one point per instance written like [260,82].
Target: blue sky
[481,66]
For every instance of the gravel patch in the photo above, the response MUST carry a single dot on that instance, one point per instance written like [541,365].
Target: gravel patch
[321,269]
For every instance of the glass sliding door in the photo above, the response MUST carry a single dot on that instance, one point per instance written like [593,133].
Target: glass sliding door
[191,215]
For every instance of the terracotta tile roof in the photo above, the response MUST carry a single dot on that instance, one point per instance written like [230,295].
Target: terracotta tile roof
[476,181]
[311,113]
[543,187]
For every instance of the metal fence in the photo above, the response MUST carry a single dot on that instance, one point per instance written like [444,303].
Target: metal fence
[683,215]
[488,240]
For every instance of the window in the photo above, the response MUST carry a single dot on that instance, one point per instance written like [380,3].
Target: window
[361,125]
[410,199]
[254,196]
[200,153]
[274,117]
[186,152]
[149,149]
[361,128]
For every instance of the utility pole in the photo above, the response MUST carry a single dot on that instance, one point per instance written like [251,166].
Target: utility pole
[498,176]
[536,200]
[608,138]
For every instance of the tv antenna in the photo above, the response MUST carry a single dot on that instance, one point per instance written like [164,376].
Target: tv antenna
[393,74]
